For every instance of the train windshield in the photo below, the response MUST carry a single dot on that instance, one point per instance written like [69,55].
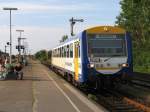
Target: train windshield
[106,45]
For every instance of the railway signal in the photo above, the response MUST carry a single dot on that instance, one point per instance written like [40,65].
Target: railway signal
[72,23]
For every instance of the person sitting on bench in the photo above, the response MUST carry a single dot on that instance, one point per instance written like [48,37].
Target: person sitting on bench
[18,70]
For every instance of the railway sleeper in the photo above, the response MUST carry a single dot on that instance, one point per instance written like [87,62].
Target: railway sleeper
[125,107]
[120,105]
[132,110]
[140,83]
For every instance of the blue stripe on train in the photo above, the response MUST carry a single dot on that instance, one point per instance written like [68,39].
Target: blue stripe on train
[84,58]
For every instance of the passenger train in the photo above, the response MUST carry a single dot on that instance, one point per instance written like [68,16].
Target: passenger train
[97,56]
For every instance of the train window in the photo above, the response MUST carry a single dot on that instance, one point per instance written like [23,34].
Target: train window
[71,50]
[56,52]
[53,54]
[62,51]
[59,52]
[106,45]
[67,51]
[79,51]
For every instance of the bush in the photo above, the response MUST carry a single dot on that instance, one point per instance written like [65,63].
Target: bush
[141,59]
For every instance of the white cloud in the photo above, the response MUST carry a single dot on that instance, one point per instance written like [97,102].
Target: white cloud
[37,37]
[47,37]
[30,7]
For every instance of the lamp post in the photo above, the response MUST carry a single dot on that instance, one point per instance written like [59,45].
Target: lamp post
[10,9]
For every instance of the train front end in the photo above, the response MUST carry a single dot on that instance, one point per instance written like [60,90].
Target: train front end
[108,52]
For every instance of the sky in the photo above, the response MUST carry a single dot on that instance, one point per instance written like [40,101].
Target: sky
[45,21]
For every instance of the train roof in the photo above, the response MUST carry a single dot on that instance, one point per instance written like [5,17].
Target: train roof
[95,30]
[106,29]
[71,38]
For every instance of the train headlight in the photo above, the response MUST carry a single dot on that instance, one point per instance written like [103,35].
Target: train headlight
[91,65]
[125,65]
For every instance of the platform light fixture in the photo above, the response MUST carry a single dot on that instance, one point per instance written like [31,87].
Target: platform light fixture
[10,9]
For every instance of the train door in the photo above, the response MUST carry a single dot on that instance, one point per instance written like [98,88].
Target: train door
[76,60]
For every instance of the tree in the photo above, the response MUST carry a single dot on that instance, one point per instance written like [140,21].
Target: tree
[135,17]
[65,37]
[41,55]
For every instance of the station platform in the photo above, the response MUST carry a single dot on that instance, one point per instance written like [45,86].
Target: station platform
[42,90]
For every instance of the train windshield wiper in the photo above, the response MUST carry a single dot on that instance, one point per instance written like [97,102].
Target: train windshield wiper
[110,58]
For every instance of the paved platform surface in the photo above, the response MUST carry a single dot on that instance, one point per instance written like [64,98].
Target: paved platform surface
[43,91]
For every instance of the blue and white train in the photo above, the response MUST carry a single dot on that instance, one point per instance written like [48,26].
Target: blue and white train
[97,55]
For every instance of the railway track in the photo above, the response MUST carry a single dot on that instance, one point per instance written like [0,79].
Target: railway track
[140,82]
[118,101]
[141,79]
[115,102]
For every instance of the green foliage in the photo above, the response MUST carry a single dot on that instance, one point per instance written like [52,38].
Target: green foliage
[41,55]
[141,60]
[65,37]
[93,97]
[135,18]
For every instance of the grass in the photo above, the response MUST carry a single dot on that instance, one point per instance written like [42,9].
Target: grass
[142,69]
[141,59]
[93,97]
